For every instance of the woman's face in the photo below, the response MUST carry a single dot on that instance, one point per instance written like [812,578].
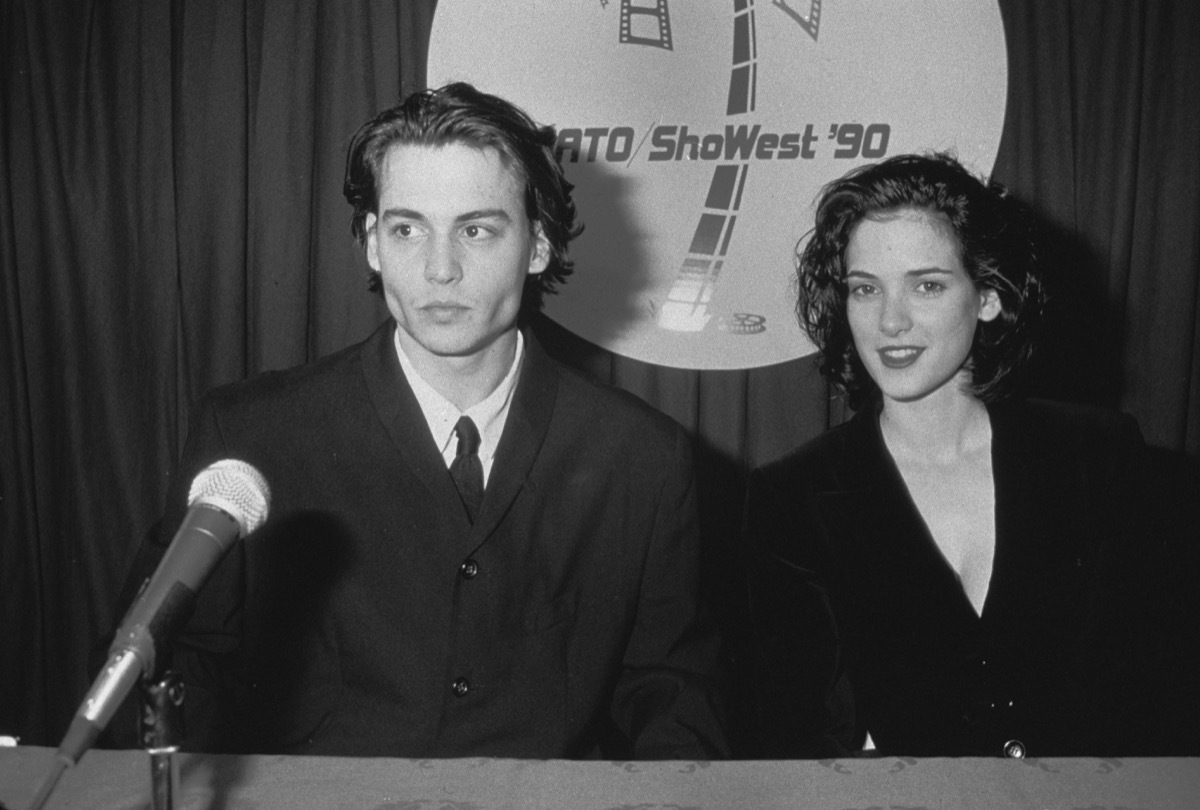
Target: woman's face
[912,307]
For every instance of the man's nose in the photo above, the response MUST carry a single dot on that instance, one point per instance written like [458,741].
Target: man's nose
[442,263]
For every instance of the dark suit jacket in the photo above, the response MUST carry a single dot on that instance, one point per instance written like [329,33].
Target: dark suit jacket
[369,617]
[862,625]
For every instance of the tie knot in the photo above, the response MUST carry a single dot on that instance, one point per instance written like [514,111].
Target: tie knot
[468,437]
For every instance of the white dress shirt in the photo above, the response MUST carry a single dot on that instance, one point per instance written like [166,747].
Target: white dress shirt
[488,415]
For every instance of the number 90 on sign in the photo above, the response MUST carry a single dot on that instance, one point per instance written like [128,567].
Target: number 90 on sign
[870,141]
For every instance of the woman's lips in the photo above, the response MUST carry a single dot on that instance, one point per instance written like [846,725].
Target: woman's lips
[899,356]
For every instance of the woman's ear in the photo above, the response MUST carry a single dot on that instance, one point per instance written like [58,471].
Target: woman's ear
[989,304]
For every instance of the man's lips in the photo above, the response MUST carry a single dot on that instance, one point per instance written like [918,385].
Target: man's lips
[443,308]
[899,356]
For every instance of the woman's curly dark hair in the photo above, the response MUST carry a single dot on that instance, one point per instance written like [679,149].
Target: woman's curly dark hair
[995,235]
[459,113]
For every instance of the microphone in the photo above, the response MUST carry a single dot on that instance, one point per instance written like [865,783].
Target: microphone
[227,500]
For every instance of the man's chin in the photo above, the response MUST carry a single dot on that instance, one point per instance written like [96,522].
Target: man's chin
[449,348]
[446,345]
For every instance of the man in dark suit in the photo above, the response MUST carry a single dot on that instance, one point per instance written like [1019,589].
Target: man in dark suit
[471,551]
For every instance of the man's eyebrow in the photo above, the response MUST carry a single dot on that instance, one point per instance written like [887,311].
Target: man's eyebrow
[483,213]
[401,213]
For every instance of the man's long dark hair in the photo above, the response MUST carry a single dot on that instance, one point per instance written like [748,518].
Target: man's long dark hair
[459,113]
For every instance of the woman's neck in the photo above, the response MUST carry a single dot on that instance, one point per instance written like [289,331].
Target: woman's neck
[943,427]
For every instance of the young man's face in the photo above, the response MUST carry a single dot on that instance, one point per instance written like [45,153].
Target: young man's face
[453,247]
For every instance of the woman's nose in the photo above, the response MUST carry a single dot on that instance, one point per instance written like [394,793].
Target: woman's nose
[894,318]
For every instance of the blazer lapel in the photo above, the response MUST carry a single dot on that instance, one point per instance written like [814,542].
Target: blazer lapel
[1034,564]
[397,408]
[882,534]
[1012,473]
[524,432]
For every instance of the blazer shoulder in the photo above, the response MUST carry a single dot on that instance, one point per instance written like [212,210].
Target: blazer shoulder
[583,397]
[1069,427]
[813,461]
[320,378]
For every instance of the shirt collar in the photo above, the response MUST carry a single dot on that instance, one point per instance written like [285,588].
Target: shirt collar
[441,415]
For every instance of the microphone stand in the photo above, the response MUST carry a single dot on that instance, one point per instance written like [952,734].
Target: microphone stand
[162,733]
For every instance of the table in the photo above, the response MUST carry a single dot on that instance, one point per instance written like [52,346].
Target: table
[121,780]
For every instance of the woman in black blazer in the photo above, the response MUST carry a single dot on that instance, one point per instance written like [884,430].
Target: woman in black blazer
[950,572]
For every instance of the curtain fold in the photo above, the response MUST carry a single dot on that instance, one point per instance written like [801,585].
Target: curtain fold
[171,219]
[88,271]
[1102,141]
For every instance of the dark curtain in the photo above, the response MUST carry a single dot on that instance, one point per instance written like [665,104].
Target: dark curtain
[171,219]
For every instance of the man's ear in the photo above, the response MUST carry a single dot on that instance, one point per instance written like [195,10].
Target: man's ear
[372,241]
[989,304]
[539,257]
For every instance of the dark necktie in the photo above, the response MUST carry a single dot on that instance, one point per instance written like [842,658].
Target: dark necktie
[466,469]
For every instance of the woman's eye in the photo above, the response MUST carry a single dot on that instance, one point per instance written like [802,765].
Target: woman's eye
[861,290]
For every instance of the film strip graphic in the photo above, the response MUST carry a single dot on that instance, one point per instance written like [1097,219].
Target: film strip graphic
[637,21]
[811,23]
[686,306]
[743,79]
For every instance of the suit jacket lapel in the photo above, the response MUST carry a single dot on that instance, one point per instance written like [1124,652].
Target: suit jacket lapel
[401,416]
[1012,473]
[524,432]
[875,519]
[867,499]
[1030,478]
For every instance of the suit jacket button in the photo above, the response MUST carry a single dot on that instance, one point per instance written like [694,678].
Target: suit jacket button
[469,569]
[1014,749]
[460,687]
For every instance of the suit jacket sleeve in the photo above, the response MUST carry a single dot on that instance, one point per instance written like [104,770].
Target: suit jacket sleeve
[803,704]
[664,700]
[205,653]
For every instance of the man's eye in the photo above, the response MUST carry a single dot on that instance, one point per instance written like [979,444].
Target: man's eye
[475,231]
[404,230]
[931,287]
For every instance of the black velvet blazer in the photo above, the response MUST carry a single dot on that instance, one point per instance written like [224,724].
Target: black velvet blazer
[368,616]
[861,625]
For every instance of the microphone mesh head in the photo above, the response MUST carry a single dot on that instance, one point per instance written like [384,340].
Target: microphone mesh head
[236,488]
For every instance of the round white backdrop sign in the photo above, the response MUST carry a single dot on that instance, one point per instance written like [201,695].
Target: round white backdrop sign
[698,135]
